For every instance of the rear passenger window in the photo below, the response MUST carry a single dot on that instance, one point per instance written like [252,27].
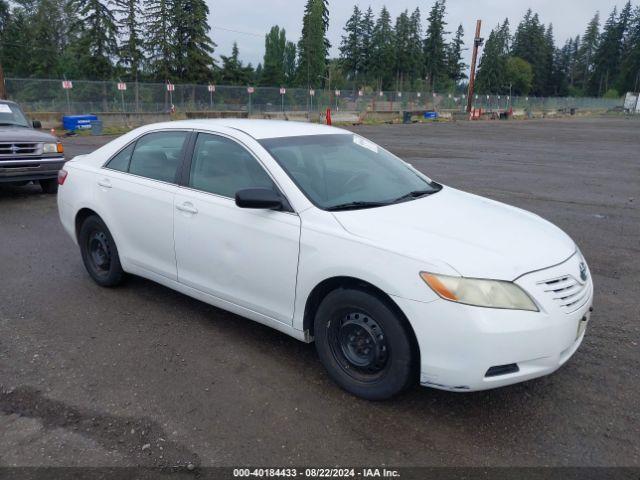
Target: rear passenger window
[121,161]
[157,155]
[223,167]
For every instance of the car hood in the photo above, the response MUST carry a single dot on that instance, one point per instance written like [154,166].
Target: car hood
[477,237]
[23,134]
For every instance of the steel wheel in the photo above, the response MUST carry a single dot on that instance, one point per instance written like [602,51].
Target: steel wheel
[359,345]
[99,252]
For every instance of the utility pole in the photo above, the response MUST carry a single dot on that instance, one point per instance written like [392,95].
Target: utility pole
[477,42]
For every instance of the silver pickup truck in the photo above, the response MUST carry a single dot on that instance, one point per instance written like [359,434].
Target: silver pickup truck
[27,154]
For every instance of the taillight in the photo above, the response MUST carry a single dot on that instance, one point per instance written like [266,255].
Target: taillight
[62,176]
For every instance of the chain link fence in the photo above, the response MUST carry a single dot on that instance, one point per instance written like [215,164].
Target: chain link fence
[48,95]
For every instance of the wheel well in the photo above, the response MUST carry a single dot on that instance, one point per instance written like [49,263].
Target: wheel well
[325,287]
[81,216]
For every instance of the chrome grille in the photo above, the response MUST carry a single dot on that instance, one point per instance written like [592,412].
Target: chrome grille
[19,149]
[566,291]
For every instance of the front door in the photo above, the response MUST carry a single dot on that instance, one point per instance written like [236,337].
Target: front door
[246,257]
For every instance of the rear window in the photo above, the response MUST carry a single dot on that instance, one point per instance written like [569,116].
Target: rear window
[156,156]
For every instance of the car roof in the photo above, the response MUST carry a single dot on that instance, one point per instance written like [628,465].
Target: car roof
[261,129]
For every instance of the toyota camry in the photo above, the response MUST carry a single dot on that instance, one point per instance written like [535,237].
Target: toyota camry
[327,237]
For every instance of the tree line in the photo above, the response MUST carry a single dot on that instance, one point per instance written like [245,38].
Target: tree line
[601,62]
[170,40]
[386,55]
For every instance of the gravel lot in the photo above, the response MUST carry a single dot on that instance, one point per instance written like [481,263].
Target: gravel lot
[141,375]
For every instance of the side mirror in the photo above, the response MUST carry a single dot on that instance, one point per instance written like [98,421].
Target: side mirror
[37,124]
[263,198]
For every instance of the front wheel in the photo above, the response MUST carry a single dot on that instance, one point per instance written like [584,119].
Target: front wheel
[364,344]
[99,253]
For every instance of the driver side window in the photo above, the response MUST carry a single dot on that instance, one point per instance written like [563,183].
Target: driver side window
[221,166]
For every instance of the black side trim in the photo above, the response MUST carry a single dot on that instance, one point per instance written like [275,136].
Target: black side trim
[182,175]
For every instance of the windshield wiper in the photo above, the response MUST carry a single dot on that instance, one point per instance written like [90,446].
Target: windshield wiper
[11,125]
[356,206]
[413,195]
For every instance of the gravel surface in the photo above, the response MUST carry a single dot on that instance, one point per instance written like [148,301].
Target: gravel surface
[142,375]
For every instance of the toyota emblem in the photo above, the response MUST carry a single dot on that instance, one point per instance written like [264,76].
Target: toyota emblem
[583,271]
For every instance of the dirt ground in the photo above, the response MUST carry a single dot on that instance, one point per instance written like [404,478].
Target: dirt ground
[141,375]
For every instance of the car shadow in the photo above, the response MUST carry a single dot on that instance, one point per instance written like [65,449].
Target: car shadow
[420,402]
[9,191]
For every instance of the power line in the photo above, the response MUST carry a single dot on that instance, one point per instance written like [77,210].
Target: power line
[238,31]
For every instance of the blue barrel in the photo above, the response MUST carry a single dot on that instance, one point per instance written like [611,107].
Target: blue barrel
[78,122]
[431,115]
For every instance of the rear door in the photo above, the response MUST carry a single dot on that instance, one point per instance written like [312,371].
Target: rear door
[136,190]
[246,257]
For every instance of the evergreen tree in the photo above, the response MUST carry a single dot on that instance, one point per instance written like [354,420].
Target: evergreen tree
[313,46]
[16,42]
[382,51]
[435,54]
[415,47]
[574,48]
[96,37]
[607,57]
[257,75]
[550,76]
[290,65]
[368,23]
[5,12]
[130,51]
[492,76]
[403,60]
[455,65]
[531,43]
[586,54]
[351,46]
[44,56]
[192,48]
[275,43]
[158,25]
[560,70]
[629,79]
[233,71]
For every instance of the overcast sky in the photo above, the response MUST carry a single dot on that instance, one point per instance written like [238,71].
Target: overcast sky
[255,17]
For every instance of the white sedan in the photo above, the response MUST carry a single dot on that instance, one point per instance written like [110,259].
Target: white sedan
[323,235]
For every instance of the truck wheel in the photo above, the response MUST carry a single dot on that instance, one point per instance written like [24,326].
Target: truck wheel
[99,253]
[364,345]
[50,185]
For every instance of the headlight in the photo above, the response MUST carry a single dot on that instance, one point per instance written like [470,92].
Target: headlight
[479,292]
[53,148]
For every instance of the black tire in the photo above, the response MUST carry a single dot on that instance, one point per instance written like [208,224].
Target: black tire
[49,186]
[364,344]
[99,253]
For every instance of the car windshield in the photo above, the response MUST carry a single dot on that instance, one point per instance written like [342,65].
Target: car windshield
[343,172]
[10,114]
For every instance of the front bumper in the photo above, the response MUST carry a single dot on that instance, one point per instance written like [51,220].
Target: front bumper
[459,344]
[26,169]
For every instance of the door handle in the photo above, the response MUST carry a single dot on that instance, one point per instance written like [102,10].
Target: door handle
[106,183]
[187,207]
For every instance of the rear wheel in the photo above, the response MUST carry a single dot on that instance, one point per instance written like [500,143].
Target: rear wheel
[50,185]
[99,253]
[363,344]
